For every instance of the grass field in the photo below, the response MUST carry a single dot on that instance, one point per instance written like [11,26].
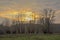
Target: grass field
[30,37]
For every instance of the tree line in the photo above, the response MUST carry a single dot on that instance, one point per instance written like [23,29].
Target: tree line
[45,23]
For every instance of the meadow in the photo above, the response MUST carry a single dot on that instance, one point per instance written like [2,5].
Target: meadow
[30,37]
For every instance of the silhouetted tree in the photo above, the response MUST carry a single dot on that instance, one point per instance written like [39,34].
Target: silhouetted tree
[49,18]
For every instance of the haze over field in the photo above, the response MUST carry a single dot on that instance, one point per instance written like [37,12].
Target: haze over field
[13,6]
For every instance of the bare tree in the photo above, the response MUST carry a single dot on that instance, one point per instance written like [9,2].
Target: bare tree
[49,18]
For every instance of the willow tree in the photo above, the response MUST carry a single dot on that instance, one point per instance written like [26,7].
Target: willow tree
[49,18]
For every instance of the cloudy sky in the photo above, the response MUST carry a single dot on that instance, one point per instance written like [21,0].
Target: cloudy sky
[33,4]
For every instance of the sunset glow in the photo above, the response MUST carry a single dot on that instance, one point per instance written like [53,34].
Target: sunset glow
[24,15]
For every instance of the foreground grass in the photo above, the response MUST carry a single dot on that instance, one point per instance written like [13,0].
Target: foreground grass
[30,37]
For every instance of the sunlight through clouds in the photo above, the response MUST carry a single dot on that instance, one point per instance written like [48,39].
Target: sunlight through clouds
[14,6]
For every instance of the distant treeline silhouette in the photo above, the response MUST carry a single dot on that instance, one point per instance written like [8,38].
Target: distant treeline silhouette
[41,27]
